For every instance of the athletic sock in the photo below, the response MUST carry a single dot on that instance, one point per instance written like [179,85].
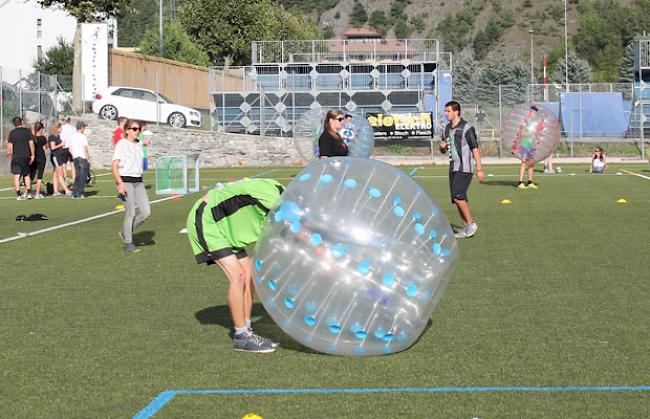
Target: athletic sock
[247,323]
[240,330]
[18,193]
[530,181]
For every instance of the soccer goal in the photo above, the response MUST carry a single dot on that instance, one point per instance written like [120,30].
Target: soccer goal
[177,174]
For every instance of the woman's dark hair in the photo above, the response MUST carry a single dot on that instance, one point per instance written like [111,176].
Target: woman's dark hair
[601,158]
[331,114]
[38,126]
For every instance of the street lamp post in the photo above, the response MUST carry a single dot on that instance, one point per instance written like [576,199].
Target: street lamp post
[161,27]
[532,74]
[566,51]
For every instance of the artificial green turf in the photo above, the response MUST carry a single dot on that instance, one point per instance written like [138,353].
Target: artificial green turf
[553,291]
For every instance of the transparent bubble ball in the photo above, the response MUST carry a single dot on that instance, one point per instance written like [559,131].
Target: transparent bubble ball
[354,258]
[531,135]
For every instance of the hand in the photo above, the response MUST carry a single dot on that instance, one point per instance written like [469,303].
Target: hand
[121,188]
[480,175]
[31,159]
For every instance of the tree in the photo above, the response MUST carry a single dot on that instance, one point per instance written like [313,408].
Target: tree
[513,76]
[225,29]
[464,75]
[378,21]
[90,11]
[177,45]
[359,15]
[579,70]
[626,70]
[142,16]
[58,61]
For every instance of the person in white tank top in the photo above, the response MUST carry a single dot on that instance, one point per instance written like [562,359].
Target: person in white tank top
[598,162]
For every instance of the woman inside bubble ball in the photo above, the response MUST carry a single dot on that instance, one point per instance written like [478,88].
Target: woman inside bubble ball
[598,162]
[330,143]
[527,160]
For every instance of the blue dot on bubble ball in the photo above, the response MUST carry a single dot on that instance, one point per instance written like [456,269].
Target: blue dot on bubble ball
[350,183]
[258,264]
[396,200]
[433,235]
[316,239]
[289,303]
[364,267]
[388,279]
[310,320]
[411,289]
[335,328]
[326,179]
[374,193]
[305,177]
[311,306]
[416,216]
[379,333]
[273,285]
[338,250]
[398,211]
[361,334]
[360,349]
[436,249]
[419,229]
[295,227]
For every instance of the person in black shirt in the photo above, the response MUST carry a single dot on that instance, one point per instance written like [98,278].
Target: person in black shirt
[38,165]
[58,158]
[20,148]
[330,143]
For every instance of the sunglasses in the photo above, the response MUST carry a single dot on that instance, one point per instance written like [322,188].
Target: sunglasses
[338,119]
[136,129]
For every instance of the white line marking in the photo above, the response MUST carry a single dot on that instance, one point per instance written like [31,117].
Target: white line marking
[636,174]
[57,227]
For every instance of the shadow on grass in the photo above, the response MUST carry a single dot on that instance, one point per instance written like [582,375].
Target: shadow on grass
[144,238]
[512,183]
[264,326]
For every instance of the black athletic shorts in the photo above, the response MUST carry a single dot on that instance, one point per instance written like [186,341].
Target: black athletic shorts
[220,254]
[38,167]
[59,160]
[458,184]
[20,166]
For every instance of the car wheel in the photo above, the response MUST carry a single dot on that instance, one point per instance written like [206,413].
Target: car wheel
[108,112]
[176,120]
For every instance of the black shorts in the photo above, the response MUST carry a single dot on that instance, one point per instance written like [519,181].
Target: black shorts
[59,160]
[459,184]
[20,166]
[220,254]
[38,167]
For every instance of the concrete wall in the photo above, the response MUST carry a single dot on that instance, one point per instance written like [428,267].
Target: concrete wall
[215,149]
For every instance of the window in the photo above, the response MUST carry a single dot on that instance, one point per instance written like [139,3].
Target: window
[149,97]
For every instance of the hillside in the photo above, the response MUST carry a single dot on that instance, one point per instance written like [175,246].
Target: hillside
[507,22]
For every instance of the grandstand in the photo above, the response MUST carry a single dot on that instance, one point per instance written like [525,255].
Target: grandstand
[287,78]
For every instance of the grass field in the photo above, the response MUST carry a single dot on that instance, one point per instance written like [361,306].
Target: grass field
[546,315]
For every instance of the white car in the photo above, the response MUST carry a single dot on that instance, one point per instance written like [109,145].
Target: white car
[145,105]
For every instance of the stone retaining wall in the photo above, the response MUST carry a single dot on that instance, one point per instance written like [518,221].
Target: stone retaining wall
[215,149]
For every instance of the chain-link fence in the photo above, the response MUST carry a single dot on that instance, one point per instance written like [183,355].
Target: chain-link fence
[612,114]
[32,95]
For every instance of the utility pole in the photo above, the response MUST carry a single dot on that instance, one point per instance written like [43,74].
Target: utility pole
[161,28]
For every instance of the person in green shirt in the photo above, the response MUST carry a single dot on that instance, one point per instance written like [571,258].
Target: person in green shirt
[220,225]
[145,140]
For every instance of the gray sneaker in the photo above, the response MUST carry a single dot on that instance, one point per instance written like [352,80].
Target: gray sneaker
[461,234]
[273,343]
[470,229]
[131,248]
[250,342]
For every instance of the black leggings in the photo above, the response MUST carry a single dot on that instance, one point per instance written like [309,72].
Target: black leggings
[38,167]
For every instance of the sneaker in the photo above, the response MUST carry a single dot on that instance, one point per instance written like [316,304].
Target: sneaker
[250,342]
[131,248]
[57,194]
[521,186]
[470,229]
[532,185]
[69,193]
[21,197]
[29,195]
[39,196]
[461,234]
[273,344]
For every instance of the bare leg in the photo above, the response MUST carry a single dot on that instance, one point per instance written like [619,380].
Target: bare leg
[236,288]
[464,211]
[522,171]
[248,291]
[17,182]
[530,172]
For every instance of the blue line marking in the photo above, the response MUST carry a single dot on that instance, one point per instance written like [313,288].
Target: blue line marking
[412,172]
[166,396]
[155,405]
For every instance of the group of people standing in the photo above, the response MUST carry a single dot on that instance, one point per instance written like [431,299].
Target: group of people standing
[27,149]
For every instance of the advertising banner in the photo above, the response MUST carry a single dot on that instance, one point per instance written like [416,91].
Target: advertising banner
[94,58]
[402,126]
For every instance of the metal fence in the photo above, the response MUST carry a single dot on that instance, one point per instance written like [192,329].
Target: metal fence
[32,95]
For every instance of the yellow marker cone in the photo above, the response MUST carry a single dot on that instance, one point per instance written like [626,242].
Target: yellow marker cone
[506,202]
[119,206]
[622,201]
[251,416]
